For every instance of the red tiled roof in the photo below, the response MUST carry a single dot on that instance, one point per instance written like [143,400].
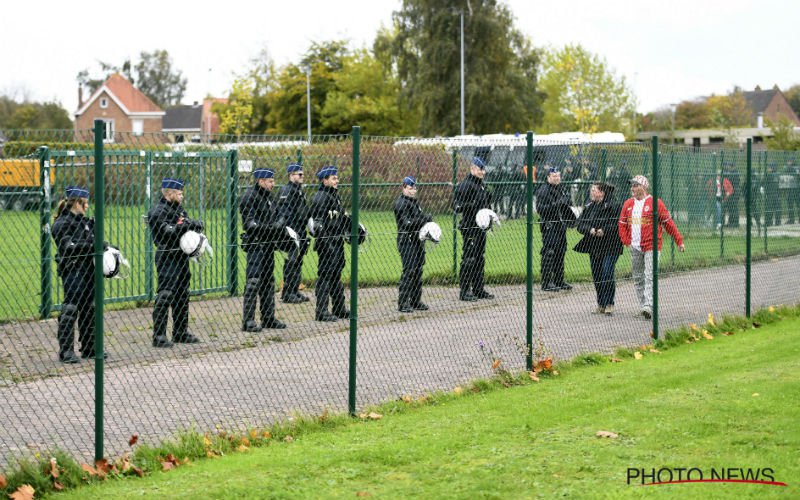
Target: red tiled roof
[130,97]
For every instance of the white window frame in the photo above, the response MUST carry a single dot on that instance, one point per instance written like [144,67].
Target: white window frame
[104,102]
[109,128]
[137,127]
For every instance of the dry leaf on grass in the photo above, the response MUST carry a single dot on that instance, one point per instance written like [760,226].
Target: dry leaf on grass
[637,355]
[24,492]
[656,351]
[242,448]
[53,468]
[533,376]
[607,434]
[362,494]
[615,360]
[707,335]
[711,319]
[132,441]
[727,334]
[88,468]
[496,364]
[458,391]
[3,481]
[771,309]
[288,439]
[406,398]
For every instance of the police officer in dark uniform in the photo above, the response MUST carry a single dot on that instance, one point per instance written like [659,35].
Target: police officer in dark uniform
[168,222]
[772,202]
[73,233]
[553,206]
[263,227]
[410,219]
[470,197]
[329,224]
[292,208]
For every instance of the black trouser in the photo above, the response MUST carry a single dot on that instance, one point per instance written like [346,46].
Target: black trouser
[78,307]
[793,205]
[260,285]
[772,210]
[412,256]
[329,276]
[554,246]
[292,269]
[473,261]
[173,293]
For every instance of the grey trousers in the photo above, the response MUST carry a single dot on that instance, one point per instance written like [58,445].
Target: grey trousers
[642,270]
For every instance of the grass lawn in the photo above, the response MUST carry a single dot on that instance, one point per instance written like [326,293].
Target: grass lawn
[379,262]
[730,402]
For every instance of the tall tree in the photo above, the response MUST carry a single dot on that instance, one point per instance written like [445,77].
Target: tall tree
[92,83]
[158,80]
[730,111]
[236,116]
[501,66]
[32,115]
[583,93]
[792,94]
[693,114]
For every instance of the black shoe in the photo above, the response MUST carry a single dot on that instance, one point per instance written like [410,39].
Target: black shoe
[69,358]
[293,299]
[185,338]
[343,315]
[326,317]
[420,306]
[565,286]
[483,294]
[551,287]
[302,297]
[251,327]
[405,308]
[161,341]
[274,324]
[90,355]
[647,314]
[467,297]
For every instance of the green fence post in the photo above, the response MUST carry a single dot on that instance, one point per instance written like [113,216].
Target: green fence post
[148,204]
[455,218]
[764,197]
[748,194]
[233,226]
[655,223]
[721,208]
[300,156]
[99,222]
[603,164]
[529,254]
[672,201]
[45,247]
[351,389]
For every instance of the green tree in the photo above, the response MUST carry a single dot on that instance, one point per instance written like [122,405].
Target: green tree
[582,92]
[784,138]
[106,70]
[501,66]
[158,80]
[730,111]
[693,115]
[792,94]
[32,115]
[236,116]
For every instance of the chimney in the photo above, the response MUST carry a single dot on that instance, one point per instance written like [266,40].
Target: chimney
[80,95]
[760,122]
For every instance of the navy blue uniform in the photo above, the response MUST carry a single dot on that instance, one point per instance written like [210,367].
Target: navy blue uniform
[332,224]
[470,197]
[553,206]
[168,221]
[74,238]
[410,219]
[292,207]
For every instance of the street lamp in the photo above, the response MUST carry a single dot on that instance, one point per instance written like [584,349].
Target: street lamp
[307,70]
[672,134]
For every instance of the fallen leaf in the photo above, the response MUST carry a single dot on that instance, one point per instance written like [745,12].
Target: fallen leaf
[266,434]
[206,442]
[53,468]
[362,494]
[554,372]
[755,394]
[139,472]
[707,335]
[165,466]
[533,376]
[132,441]
[57,486]
[656,351]
[24,492]
[727,334]
[242,448]
[324,416]
[210,454]
[496,364]
[406,398]
[637,355]
[288,439]
[458,391]
[771,309]
[374,416]
[615,360]
[88,468]
[245,441]
[3,481]
[711,319]
[607,434]
[694,327]
[103,466]
[254,433]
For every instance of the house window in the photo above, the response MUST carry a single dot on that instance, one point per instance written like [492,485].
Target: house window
[137,127]
[108,130]
[104,102]
[716,140]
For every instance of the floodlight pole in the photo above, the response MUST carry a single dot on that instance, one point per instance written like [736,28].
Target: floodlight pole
[462,72]
[308,101]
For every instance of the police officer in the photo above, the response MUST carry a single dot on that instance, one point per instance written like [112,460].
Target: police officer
[772,202]
[73,233]
[329,223]
[263,226]
[168,222]
[410,219]
[292,208]
[470,197]
[553,206]
[731,205]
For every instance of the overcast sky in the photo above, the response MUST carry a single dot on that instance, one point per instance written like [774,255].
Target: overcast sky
[668,50]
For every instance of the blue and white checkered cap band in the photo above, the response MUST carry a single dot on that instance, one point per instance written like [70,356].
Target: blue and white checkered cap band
[294,167]
[409,181]
[76,192]
[479,163]
[263,173]
[552,170]
[326,171]
[170,183]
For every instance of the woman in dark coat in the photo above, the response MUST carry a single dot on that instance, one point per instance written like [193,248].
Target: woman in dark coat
[598,225]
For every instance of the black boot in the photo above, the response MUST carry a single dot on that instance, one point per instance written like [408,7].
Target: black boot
[160,318]
[66,334]
[405,307]
[250,298]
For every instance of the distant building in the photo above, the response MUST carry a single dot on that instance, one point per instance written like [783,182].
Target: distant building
[770,106]
[126,111]
[192,123]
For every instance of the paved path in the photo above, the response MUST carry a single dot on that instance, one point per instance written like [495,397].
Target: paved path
[235,380]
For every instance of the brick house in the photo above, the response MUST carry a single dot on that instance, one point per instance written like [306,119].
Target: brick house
[770,106]
[192,123]
[125,110]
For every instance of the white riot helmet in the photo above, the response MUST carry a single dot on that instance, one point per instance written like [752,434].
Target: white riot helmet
[485,218]
[115,265]
[431,232]
[312,227]
[288,241]
[196,246]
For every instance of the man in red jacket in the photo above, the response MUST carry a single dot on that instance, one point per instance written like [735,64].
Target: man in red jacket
[636,233]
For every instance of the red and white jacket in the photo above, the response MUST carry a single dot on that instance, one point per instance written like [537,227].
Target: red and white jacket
[626,222]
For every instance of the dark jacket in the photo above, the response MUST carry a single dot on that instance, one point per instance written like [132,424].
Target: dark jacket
[410,218]
[260,219]
[470,197]
[74,238]
[168,221]
[553,207]
[605,216]
[329,216]
[292,207]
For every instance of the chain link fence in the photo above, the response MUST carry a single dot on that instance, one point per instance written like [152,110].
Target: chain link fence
[543,276]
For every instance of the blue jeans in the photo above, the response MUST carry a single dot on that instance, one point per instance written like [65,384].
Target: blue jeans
[603,276]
